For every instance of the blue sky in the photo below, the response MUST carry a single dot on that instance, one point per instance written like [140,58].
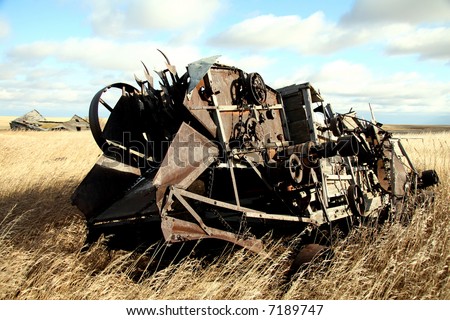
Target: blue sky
[395,55]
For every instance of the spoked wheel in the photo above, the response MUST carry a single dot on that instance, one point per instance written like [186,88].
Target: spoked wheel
[257,88]
[429,178]
[98,103]
[312,252]
[295,168]
[356,200]
[254,129]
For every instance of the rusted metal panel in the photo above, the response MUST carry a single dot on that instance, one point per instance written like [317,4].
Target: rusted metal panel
[189,154]
[176,230]
[138,200]
[107,182]
[194,101]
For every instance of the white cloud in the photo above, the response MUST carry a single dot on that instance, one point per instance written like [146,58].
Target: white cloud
[311,35]
[64,76]
[345,84]
[249,63]
[429,43]
[4,28]
[388,11]
[170,14]
[48,93]
[6,94]
[43,86]
[123,18]
[101,54]
[315,35]
[404,26]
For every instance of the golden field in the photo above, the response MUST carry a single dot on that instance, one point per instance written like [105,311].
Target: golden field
[41,236]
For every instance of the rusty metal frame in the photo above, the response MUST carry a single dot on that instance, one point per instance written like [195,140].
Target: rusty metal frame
[208,112]
[177,230]
[247,212]
[223,139]
[226,108]
[201,230]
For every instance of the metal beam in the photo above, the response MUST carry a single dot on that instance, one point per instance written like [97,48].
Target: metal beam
[250,213]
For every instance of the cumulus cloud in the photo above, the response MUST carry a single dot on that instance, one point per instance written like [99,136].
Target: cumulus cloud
[388,11]
[26,85]
[315,35]
[404,26]
[249,62]
[346,84]
[428,43]
[64,75]
[123,18]
[104,54]
[311,35]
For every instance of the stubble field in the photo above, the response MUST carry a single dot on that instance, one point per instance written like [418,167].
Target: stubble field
[41,236]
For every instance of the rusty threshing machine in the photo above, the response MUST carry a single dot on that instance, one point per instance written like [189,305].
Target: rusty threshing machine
[217,154]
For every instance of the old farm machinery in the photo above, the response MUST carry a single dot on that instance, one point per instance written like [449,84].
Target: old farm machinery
[217,154]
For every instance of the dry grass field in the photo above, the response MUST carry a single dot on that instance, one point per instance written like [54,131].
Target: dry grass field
[41,236]
[4,122]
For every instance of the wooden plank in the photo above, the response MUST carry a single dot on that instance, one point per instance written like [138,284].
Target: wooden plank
[295,114]
[301,125]
[293,102]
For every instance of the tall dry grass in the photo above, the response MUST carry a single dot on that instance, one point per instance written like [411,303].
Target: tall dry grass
[41,236]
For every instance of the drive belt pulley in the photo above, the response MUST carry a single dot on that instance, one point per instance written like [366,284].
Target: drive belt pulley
[356,200]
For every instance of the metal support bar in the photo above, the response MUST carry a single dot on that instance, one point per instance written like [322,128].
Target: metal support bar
[352,173]
[402,149]
[310,113]
[176,230]
[191,210]
[168,203]
[251,213]
[258,172]
[233,108]
[223,139]
[337,177]
[233,180]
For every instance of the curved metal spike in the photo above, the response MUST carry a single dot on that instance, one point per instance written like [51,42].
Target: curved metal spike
[147,75]
[172,69]
[145,67]
[165,57]
[169,66]
[139,81]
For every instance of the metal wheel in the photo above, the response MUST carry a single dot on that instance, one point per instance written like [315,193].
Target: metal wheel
[356,200]
[429,178]
[295,168]
[309,253]
[239,130]
[257,88]
[97,103]
[254,129]
[336,126]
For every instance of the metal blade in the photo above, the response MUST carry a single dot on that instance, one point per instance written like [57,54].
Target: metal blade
[198,69]
[147,75]
[188,156]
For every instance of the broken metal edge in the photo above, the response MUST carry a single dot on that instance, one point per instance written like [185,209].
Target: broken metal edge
[176,230]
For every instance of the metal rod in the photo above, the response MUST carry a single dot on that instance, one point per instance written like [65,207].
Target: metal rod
[251,213]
